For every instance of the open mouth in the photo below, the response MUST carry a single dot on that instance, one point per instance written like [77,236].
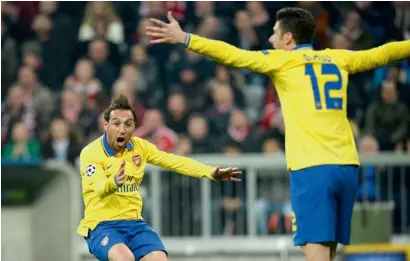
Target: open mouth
[120,140]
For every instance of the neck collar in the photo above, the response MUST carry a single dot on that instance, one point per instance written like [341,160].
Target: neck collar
[107,148]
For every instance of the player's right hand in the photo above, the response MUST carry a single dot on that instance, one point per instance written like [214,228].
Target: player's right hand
[166,33]
[120,175]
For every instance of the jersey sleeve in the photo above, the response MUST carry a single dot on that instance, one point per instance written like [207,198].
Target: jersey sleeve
[229,55]
[93,173]
[360,61]
[182,165]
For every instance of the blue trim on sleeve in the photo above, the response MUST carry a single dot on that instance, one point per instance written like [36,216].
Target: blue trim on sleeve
[265,51]
[309,46]
[109,151]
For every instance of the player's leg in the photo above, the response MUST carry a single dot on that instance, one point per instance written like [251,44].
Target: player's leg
[120,252]
[317,251]
[155,256]
[348,190]
[106,243]
[314,211]
[145,243]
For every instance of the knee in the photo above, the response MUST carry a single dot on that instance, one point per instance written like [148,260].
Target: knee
[120,252]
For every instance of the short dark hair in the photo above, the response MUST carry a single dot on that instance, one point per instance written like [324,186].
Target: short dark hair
[299,22]
[119,103]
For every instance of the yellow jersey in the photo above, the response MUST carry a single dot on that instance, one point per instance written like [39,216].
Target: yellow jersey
[311,86]
[103,199]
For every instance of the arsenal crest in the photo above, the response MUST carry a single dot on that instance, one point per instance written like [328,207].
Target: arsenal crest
[137,160]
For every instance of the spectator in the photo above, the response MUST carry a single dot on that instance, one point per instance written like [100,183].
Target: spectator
[240,130]
[61,23]
[184,146]
[353,30]
[15,111]
[387,120]
[21,147]
[153,128]
[277,129]
[176,114]
[56,60]
[96,12]
[31,52]
[368,189]
[36,95]
[198,132]
[232,78]
[261,22]
[8,58]
[60,145]
[219,113]
[99,131]
[122,87]
[248,39]
[201,10]
[212,27]
[72,110]
[402,18]
[83,80]
[149,84]
[98,53]
[271,147]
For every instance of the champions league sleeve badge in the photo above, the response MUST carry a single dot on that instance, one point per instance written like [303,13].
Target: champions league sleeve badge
[90,170]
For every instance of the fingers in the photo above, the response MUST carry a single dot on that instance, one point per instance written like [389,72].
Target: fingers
[121,173]
[155,29]
[235,179]
[158,22]
[171,17]
[157,41]
[157,35]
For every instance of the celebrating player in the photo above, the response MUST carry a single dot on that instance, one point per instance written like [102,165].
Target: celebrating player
[320,148]
[112,169]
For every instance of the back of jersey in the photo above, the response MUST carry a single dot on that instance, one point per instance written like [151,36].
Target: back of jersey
[312,87]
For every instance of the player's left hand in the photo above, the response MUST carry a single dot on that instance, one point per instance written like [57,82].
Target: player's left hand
[166,33]
[228,174]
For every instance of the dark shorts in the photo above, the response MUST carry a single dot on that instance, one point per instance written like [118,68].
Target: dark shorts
[136,234]
[322,200]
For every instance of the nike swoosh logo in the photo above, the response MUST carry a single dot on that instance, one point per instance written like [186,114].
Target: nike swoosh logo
[109,166]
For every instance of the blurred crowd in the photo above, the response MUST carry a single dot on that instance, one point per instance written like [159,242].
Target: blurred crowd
[62,62]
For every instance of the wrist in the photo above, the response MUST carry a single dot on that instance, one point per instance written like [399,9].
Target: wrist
[187,39]
[116,181]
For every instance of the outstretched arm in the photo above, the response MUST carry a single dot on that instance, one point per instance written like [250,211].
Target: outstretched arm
[377,57]
[219,51]
[187,166]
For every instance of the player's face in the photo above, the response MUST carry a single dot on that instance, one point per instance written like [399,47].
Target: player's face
[279,40]
[275,38]
[119,129]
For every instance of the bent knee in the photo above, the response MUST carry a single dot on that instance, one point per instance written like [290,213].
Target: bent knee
[120,252]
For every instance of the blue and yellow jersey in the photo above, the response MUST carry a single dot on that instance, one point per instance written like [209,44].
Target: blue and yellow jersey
[312,89]
[103,199]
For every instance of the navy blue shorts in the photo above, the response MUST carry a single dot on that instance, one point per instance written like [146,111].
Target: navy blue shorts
[136,234]
[322,200]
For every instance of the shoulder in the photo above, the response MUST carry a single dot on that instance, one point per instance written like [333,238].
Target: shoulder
[139,143]
[273,52]
[93,149]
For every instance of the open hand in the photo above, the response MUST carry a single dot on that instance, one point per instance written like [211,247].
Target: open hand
[228,174]
[166,33]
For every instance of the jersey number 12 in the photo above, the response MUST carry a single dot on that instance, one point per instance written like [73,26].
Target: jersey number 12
[331,102]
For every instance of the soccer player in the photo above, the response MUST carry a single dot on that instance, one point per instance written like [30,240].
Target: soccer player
[112,169]
[320,148]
